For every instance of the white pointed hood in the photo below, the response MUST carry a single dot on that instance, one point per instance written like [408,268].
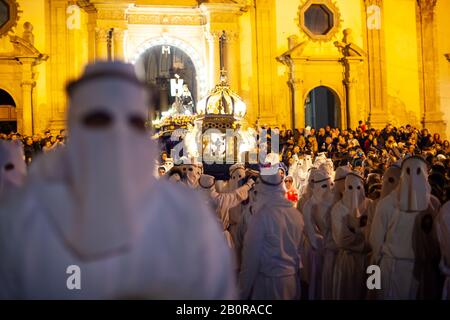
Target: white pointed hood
[413,191]
[237,175]
[390,181]
[321,184]
[339,179]
[109,156]
[12,165]
[354,196]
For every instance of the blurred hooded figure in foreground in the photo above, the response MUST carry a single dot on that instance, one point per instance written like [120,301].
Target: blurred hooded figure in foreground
[409,252]
[13,169]
[96,205]
[443,230]
[271,254]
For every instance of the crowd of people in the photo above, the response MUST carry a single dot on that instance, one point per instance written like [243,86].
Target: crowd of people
[36,144]
[304,223]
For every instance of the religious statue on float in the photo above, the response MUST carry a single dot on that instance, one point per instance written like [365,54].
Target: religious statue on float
[184,103]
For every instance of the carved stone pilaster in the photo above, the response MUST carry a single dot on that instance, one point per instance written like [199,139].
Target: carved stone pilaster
[432,117]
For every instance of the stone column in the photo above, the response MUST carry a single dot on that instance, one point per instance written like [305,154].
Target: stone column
[101,44]
[354,112]
[27,108]
[232,60]
[27,85]
[432,117]
[378,107]
[214,56]
[119,47]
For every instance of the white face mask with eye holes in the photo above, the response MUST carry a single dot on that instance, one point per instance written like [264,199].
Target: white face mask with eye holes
[192,174]
[12,165]
[354,195]
[110,158]
[236,179]
[414,190]
[391,179]
[321,185]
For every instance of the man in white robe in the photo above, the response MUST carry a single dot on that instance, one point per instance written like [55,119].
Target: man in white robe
[237,179]
[379,223]
[271,253]
[317,217]
[443,230]
[93,222]
[222,202]
[13,169]
[409,250]
[348,218]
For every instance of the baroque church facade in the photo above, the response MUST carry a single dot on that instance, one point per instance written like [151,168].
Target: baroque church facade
[294,62]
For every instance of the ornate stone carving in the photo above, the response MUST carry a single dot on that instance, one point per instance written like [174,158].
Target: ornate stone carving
[163,19]
[28,32]
[375,2]
[10,20]
[332,10]
[347,47]
[111,15]
[427,5]
[101,34]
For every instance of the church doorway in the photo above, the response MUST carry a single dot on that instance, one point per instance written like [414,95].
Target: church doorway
[171,74]
[322,108]
[8,116]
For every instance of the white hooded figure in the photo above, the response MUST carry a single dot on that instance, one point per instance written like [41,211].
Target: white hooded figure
[299,171]
[249,207]
[317,216]
[409,253]
[339,181]
[13,169]
[443,231]
[378,224]
[222,202]
[348,218]
[237,180]
[192,170]
[93,222]
[271,253]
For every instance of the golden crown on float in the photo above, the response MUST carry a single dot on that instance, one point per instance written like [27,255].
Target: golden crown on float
[222,101]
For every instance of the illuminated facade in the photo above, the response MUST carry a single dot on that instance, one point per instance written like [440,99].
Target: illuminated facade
[293,62]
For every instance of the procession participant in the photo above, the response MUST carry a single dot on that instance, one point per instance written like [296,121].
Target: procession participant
[377,224]
[192,170]
[443,231]
[222,202]
[13,169]
[409,249]
[237,179]
[339,181]
[271,253]
[348,218]
[95,206]
[317,217]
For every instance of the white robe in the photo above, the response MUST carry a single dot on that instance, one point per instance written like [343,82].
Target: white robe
[318,230]
[178,253]
[271,254]
[403,251]
[443,230]
[349,278]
